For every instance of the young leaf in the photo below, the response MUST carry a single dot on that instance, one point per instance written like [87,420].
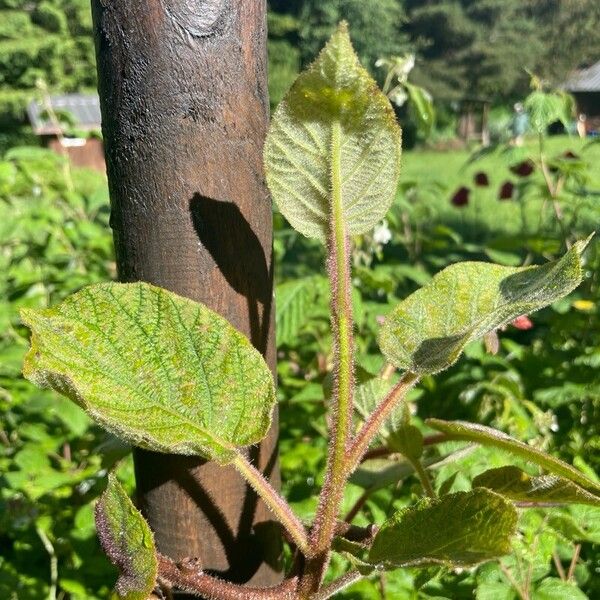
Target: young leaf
[486,436]
[459,530]
[335,93]
[515,484]
[427,331]
[127,540]
[158,370]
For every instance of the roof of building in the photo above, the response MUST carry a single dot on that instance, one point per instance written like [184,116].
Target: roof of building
[83,111]
[584,80]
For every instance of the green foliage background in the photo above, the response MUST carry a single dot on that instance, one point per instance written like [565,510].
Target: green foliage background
[542,386]
[463,47]
[49,40]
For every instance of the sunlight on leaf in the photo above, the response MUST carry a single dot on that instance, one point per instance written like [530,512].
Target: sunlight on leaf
[334,90]
[515,484]
[427,332]
[459,530]
[158,370]
[486,436]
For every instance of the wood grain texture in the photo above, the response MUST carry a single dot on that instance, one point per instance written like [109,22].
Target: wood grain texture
[185,111]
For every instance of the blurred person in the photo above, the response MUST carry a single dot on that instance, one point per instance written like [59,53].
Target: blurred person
[519,125]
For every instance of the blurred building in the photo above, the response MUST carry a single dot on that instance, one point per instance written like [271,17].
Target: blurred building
[473,122]
[70,125]
[585,87]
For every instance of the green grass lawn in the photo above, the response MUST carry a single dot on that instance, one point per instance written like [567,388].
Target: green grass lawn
[439,174]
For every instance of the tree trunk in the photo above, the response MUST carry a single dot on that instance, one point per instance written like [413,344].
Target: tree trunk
[184,114]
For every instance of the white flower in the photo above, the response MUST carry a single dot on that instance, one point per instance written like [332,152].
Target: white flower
[382,234]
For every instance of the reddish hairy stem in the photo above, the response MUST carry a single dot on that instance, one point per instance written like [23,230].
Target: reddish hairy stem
[435,438]
[338,585]
[336,476]
[357,506]
[196,582]
[383,451]
[368,431]
[276,503]
[354,533]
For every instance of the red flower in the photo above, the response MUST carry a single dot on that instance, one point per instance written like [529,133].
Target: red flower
[507,190]
[461,196]
[523,169]
[481,179]
[523,323]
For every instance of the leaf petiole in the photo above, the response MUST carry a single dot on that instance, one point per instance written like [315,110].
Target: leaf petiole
[423,477]
[372,426]
[278,506]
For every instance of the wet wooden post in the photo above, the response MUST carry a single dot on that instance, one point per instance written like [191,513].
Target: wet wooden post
[184,114]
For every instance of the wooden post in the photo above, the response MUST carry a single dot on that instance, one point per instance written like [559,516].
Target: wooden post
[184,115]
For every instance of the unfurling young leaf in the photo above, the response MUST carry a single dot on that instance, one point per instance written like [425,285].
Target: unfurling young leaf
[459,530]
[158,370]
[334,93]
[427,332]
[515,484]
[486,436]
[127,540]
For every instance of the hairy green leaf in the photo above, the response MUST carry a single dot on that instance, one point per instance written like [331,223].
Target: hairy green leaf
[486,436]
[427,332]
[334,92]
[158,370]
[460,530]
[127,540]
[515,484]
[553,588]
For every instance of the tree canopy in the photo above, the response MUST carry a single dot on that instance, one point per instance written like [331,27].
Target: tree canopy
[463,47]
[44,39]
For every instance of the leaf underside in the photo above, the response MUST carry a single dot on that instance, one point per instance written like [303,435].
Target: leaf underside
[460,530]
[427,332]
[334,90]
[517,485]
[127,541]
[486,436]
[158,370]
